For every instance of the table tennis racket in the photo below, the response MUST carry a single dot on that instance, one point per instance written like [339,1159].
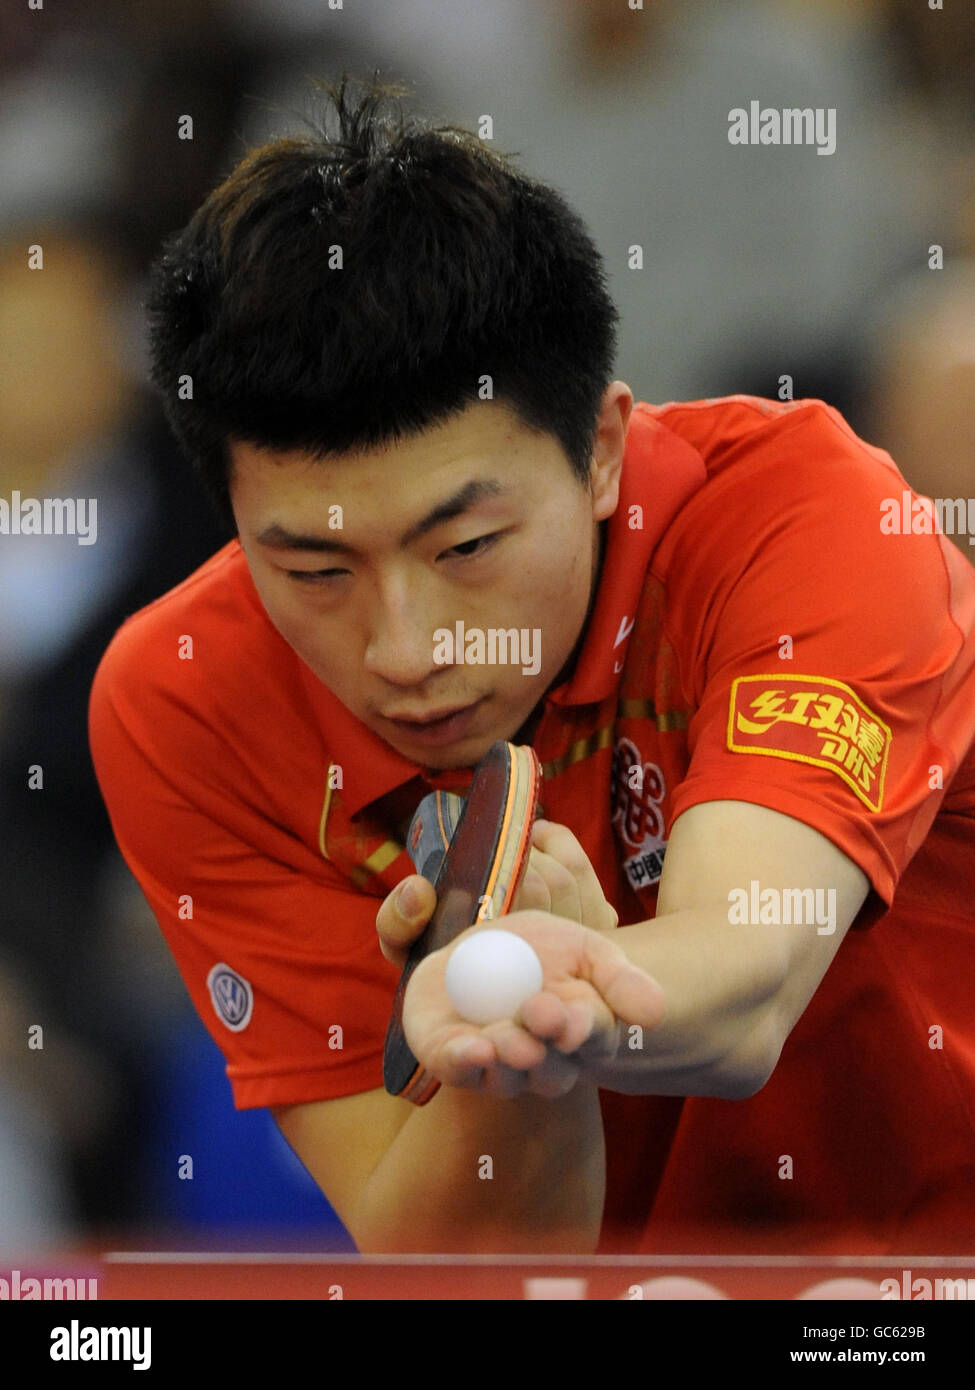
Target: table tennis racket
[474,851]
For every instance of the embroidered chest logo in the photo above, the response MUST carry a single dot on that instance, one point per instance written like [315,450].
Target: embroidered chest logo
[622,636]
[637,790]
[812,719]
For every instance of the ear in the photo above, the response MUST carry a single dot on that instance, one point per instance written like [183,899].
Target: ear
[607,455]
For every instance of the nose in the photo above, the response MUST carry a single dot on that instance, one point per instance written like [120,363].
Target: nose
[400,649]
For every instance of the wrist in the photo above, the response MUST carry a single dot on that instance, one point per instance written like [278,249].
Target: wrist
[471,1172]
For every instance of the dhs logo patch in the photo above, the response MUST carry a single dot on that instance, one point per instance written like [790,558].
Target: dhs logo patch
[232,996]
[812,719]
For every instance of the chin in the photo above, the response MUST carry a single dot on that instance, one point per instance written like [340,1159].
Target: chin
[466,753]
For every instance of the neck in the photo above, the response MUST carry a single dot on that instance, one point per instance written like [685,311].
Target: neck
[527,730]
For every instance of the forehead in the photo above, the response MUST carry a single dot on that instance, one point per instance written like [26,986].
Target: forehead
[485,445]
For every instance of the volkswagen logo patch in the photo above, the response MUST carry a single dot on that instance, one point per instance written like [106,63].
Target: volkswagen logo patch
[233,998]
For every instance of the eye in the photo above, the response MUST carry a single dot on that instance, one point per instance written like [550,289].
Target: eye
[468,549]
[313,577]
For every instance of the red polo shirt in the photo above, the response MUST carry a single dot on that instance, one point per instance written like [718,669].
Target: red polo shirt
[757,636]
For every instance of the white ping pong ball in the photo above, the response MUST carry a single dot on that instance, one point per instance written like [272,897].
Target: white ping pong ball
[491,974]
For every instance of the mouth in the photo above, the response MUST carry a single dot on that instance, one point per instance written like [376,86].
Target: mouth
[436,727]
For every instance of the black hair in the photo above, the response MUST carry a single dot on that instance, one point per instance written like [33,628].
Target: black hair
[340,291]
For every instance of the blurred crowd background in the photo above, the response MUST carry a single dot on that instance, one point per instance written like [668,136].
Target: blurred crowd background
[759,262]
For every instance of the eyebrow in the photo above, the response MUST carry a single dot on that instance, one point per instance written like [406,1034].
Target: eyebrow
[277,537]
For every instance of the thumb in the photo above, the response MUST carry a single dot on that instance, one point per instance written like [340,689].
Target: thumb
[403,916]
[632,994]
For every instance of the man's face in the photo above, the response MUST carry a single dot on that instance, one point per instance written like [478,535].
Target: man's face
[364,562]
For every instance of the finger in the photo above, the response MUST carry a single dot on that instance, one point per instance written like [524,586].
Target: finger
[558,842]
[463,1061]
[563,1024]
[555,1076]
[631,994]
[514,1045]
[403,916]
[533,892]
[503,1082]
[562,886]
[602,1045]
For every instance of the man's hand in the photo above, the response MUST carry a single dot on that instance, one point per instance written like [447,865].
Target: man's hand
[589,986]
[560,879]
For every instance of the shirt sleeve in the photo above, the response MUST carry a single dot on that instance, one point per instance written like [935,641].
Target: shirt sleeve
[278,950]
[829,660]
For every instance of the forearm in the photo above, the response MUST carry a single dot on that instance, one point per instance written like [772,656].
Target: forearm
[726,993]
[469,1172]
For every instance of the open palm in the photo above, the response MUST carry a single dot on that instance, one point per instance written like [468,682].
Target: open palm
[589,989]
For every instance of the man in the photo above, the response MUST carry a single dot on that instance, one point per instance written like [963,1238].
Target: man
[390,355]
